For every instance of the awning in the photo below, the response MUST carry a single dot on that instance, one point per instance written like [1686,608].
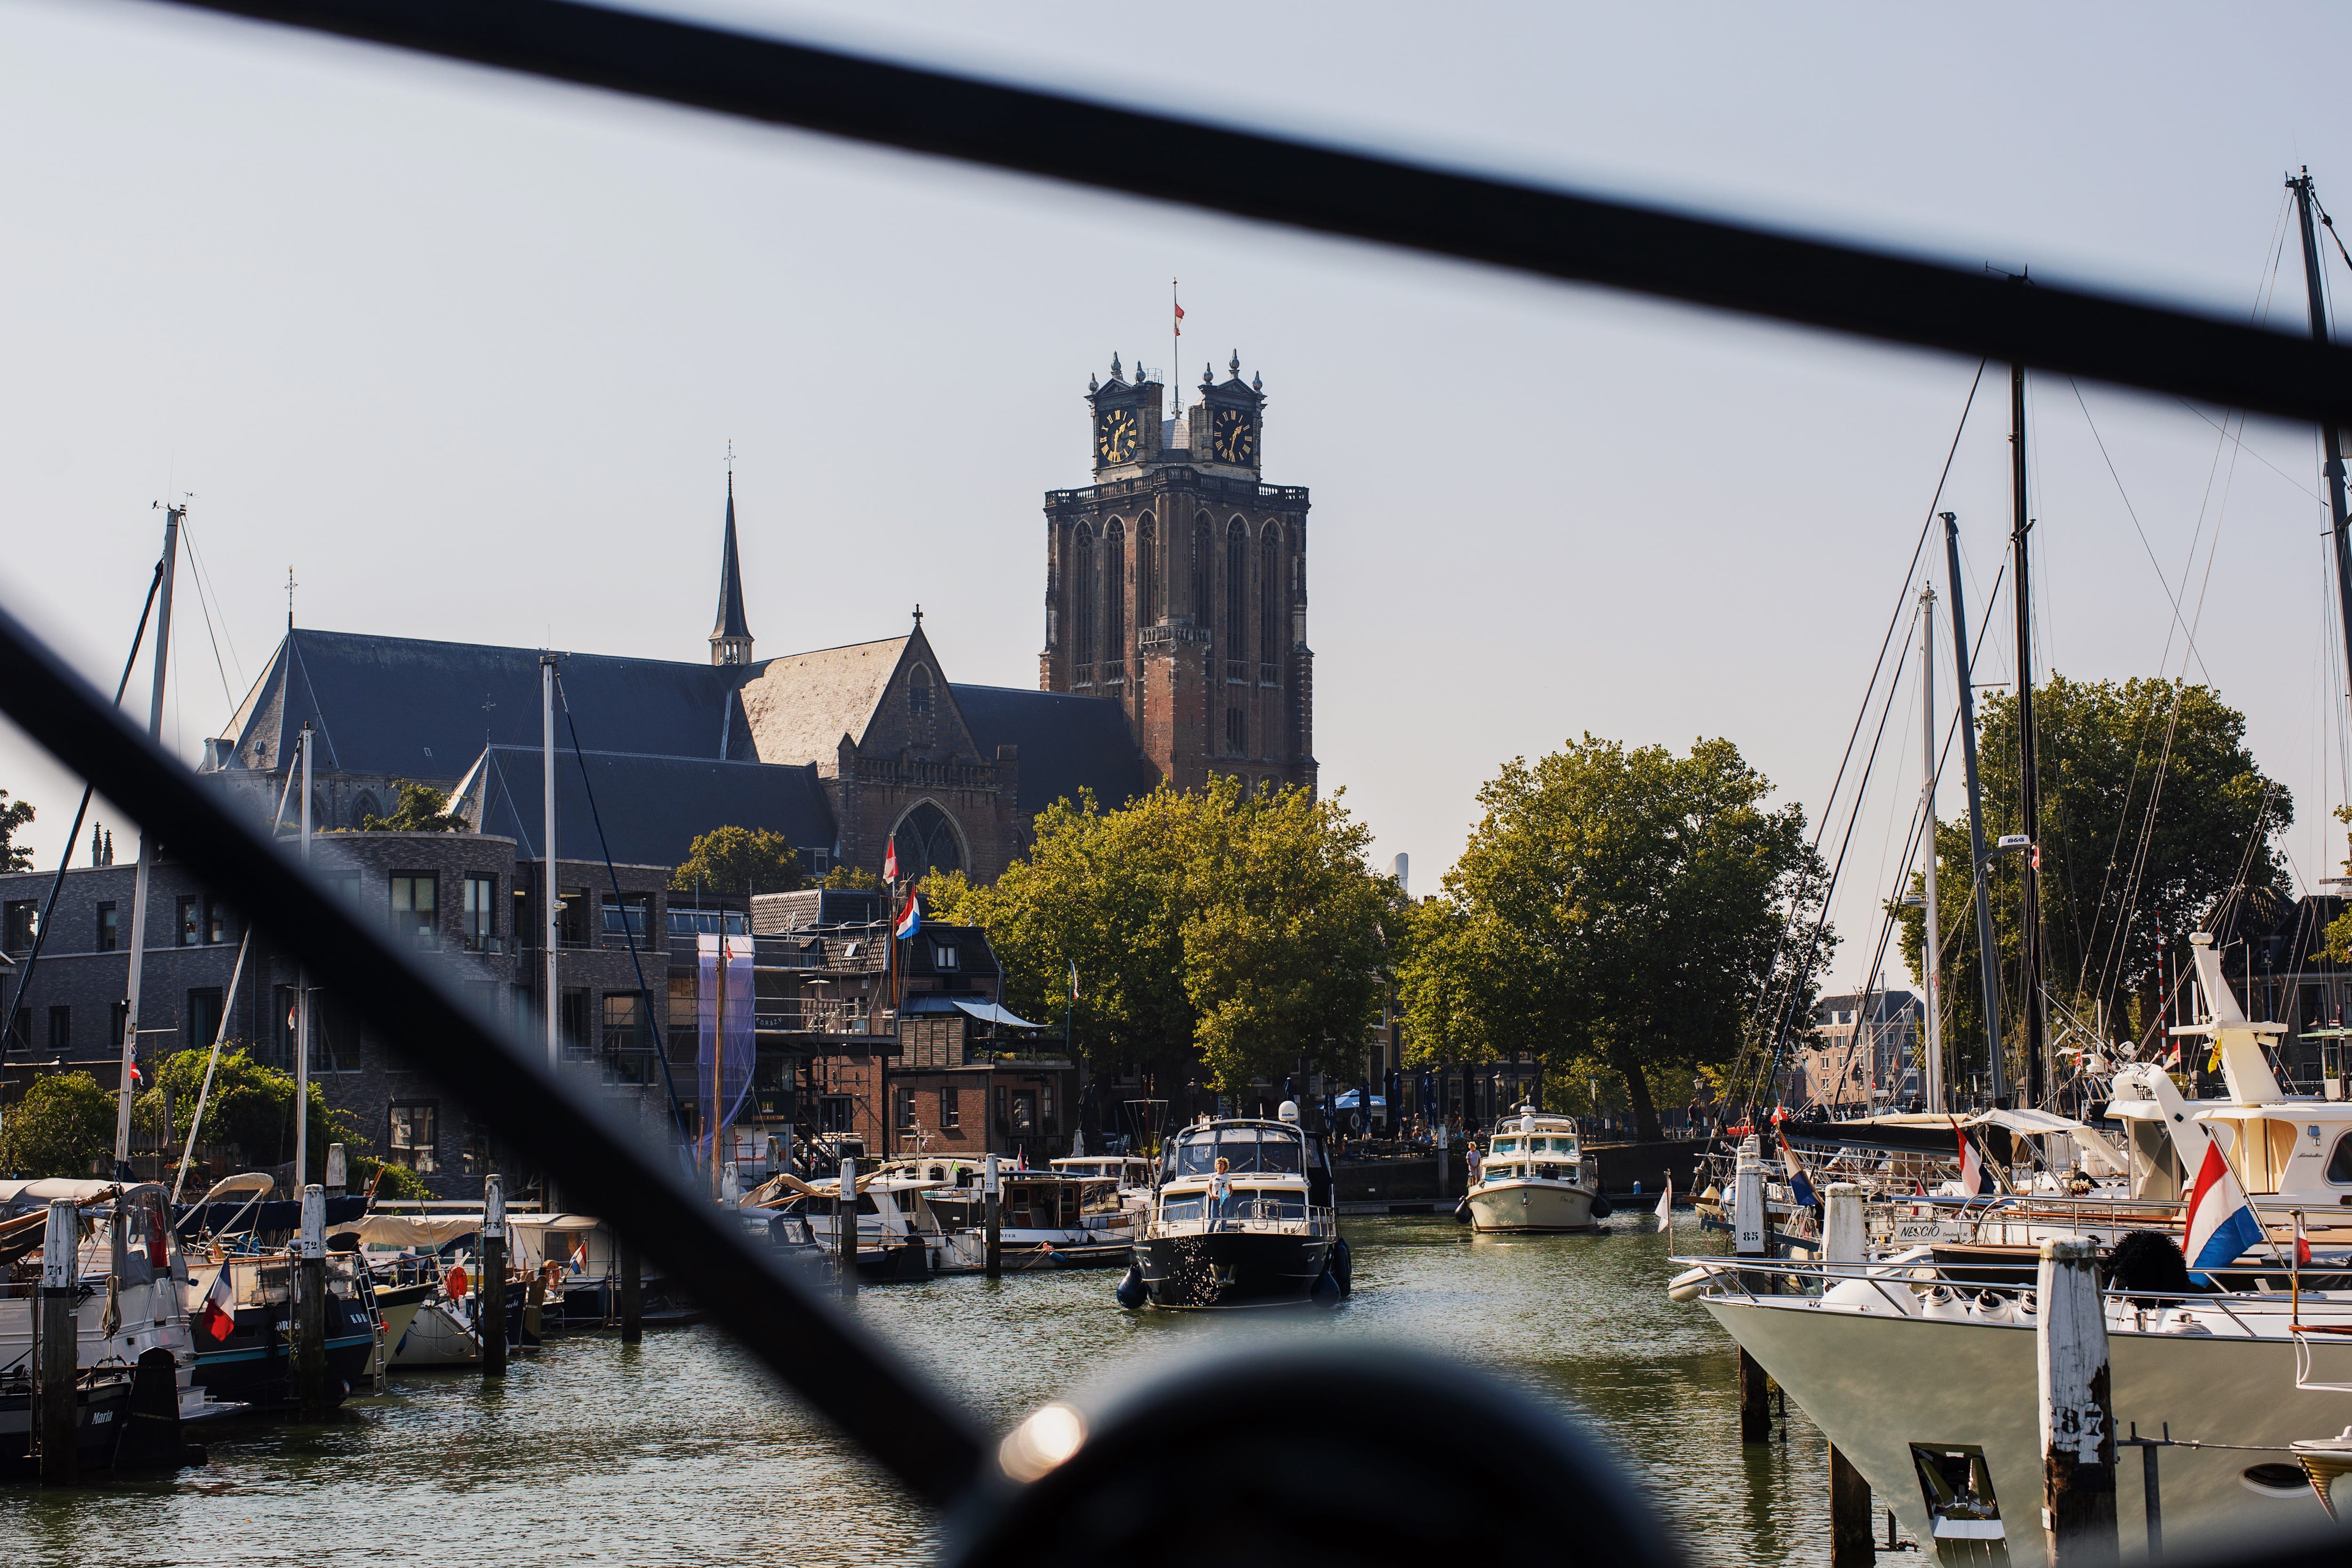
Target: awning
[986,1011]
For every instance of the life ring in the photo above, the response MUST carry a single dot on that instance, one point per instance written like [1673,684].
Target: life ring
[453,1284]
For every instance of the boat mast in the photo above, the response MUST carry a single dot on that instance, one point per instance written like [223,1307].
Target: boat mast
[2331,436]
[172,516]
[554,926]
[302,1008]
[2029,790]
[1987,965]
[1932,947]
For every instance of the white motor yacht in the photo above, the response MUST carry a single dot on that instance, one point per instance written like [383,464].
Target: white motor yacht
[1535,1177]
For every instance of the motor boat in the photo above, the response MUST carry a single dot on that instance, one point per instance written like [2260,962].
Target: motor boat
[1534,1178]
[1243,1216]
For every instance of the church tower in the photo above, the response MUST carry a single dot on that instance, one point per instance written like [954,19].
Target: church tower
[1176,583]
[731,637]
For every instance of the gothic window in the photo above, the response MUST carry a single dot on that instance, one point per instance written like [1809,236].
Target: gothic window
[1114,591]
[1147,610]
[927,842]
[1269,591]
[1236,598]
[1236,733]
[1202,607]
[1082,595]
[919,690]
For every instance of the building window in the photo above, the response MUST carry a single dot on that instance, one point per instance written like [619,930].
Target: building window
[17,924]
[415,1139]
[1269,591]
[833,1113]
[1114,591]
[1236,596]
[109,928]
[626,1058]
[215,920]
[943,955]
[61,1029]
[203,1016]
[192,915]
[1203,603]
[118,1019]
[1147,572]
[918,691]
[817,861]
[571,916]
[906,1109]
[575,1022]
[413,896]
[1236,732]
[927,842]
[626,918]
[1083,589]
[481,914]
[951,1115]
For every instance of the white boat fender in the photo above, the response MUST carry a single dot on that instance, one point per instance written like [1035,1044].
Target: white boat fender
[1940,1302]
[1864,1296]
[1686,1286]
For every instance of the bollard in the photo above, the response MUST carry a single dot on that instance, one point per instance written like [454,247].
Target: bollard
[991,1211]
[632,1306]
[1442,1173]
[2078,1427]
[1850,1546]
[56,1426]
[337,1171]
[310,1306]
[1747,1241]
[490,1287]
[845,1227]
[1844,1236]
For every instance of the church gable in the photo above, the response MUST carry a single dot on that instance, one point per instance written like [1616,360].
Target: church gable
[798,708]
[918,716]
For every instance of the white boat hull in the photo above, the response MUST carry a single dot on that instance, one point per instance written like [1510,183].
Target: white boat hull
[1876,1382]
[437,1337]
[1536,1206]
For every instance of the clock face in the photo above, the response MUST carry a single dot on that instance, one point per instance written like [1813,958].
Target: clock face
[1233,437]
[1114,434]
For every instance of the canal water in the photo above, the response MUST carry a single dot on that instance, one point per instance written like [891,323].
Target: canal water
[682,1449]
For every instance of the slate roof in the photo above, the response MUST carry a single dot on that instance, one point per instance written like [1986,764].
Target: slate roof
[416,708]
[799,706]
[652,808]
[1067,743]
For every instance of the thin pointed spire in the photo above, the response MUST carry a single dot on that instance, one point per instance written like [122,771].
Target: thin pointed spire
[731,637]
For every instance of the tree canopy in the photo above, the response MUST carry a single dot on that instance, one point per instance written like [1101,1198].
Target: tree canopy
[14,815]
[740,860]
[252,1106]
[2152,808]
[1616,907]
[1239,932]
[421,809]
[64,1126]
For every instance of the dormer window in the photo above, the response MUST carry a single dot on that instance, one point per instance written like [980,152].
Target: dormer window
[943,955]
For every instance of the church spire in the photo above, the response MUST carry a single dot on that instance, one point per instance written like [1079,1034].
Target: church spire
[731,637]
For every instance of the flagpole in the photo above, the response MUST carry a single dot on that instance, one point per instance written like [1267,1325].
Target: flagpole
[1175,350]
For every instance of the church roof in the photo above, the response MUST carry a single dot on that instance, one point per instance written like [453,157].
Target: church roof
[798,707]
[421,709]
[730,622]
[1067,743]
[652,808]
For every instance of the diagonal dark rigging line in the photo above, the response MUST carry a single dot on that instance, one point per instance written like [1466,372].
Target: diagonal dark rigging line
[1546,230]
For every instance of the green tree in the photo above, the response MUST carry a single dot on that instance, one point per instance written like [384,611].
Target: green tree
[1237,931]
[14,815]
[63,1126]
[421,809]
[252,1106]
[1617,909]
[853,879]
[2152,808]
[738,861]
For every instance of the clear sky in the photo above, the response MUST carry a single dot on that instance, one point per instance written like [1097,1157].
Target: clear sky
[465,353]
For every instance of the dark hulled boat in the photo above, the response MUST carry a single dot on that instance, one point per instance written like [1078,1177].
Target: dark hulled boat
[1243,1216]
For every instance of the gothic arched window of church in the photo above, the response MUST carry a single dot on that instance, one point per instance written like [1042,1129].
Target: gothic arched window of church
[1203,608]
[927,842]
[1269,592]
[1147,608]
[1082,599]
[1114,589]
[1237,599]
[918,690]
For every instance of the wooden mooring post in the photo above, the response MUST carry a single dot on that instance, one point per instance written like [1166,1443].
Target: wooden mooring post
[845,1227]
[310,1307]
[992,1215]
[1747,1241]
[2077,1409]
[633,1304]
[57,1417]
[490,1290]
[1846,1241]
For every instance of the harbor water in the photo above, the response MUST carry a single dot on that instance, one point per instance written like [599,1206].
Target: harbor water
[683,1450]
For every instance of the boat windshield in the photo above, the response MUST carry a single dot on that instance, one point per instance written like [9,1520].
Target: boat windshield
[1555,1145]
[1247,1151]
[1505,1146]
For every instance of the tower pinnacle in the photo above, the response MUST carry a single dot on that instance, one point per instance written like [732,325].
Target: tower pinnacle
[731,637]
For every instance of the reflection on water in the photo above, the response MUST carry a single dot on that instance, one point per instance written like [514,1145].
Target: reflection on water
[681,1450]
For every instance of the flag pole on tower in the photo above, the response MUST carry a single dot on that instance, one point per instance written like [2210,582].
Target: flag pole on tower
[1176,351]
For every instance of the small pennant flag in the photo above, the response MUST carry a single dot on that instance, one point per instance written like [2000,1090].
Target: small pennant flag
[890,862]
[1179,320]
[1666,1204]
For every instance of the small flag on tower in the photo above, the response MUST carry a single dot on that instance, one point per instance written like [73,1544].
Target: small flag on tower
[890,862]
[1179,320]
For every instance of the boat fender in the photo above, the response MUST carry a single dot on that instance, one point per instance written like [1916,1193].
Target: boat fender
[1343,1267]
[1686,1286]
[1602,1207]
[1462,1211]
[1131,1293]
[1327,1290]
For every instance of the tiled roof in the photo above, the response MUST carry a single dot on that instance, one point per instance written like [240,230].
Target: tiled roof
[799,706]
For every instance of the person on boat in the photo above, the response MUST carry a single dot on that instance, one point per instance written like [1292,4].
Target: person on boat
[1471,1161]
[1221,1189]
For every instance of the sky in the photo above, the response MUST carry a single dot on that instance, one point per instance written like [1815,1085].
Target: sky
[465,354]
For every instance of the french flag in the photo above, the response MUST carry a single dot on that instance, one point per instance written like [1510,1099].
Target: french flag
[216,1313]
[1975,1179]
[2220,1227]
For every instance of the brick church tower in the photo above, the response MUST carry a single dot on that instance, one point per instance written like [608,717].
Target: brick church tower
[1176,584]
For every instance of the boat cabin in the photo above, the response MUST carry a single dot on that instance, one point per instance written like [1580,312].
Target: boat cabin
[1274,1171]
[1534,1148]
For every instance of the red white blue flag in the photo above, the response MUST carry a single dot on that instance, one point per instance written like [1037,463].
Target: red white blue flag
[1975,1179]
[910,919]
[2220,1227]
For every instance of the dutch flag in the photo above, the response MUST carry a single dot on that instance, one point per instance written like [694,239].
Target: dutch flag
[2220,1227]
[910,920]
